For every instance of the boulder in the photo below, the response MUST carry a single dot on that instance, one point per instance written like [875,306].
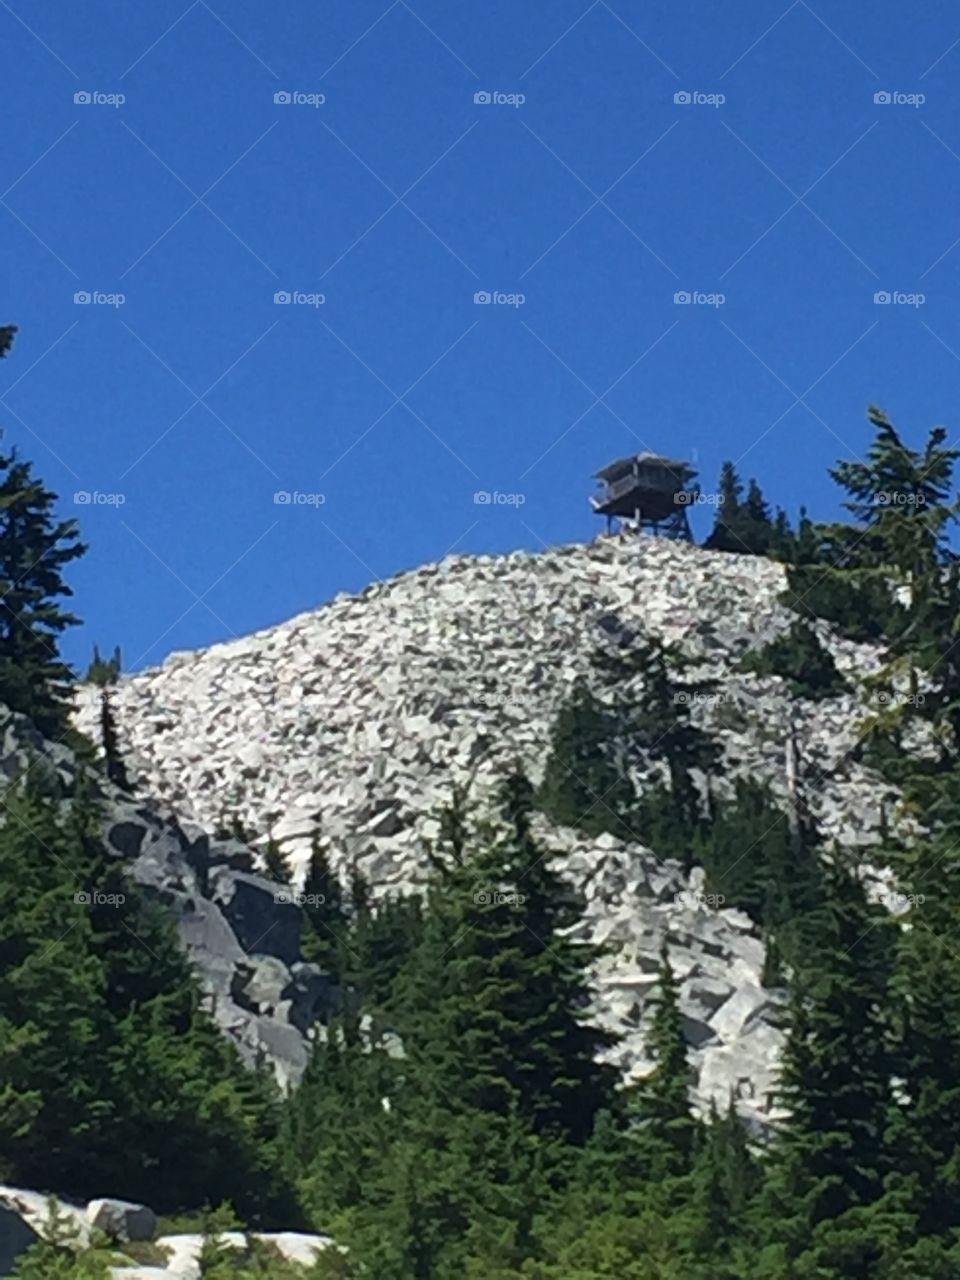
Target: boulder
[16,1237]
[260,912]
[122,1219]
[261,983]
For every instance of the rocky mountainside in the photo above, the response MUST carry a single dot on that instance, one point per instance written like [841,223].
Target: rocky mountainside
[353,723]
[240,929]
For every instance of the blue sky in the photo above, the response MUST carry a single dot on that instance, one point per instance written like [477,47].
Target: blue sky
[582,186]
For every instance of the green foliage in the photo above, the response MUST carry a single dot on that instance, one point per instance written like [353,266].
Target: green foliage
[833,1154]
[112,1078]
[325,918]
[35,546]
[116,769]
[104,671]
[275,864]
[583,786]
[800,659]
[755,862]
[742,525]
[664,1131]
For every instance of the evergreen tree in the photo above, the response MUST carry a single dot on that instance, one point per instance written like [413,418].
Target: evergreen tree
[325,937]
[832,1155]
[35,547]
[490,1009]
[104,671]
[799,658]
[753,861]
[726,1178]
[652,701]
[900,497]
[112,1078]
[926,990]
[582,785]
[741,525]
[665,1131]
[116,769]
[275,864]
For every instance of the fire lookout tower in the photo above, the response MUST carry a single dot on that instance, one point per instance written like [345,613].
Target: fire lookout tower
[648,490]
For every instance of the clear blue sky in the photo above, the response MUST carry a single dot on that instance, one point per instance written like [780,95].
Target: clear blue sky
[397,399]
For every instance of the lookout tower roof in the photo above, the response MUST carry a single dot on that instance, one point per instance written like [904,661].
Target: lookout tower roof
[679,471]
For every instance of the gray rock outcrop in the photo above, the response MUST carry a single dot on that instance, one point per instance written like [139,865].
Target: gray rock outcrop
[352,725]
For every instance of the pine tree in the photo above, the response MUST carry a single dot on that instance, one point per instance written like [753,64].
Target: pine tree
[112,1078]
[489,1010]
[730,491]
[725,1177]
[900,498]
[325,936]
[34,548]
[652,700]
[799,658]
[116,769]
[582,785]
[926,990]
[104,671]
[275,864]
[832,1155]
[665,1130]
[741,525]
[754,862]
